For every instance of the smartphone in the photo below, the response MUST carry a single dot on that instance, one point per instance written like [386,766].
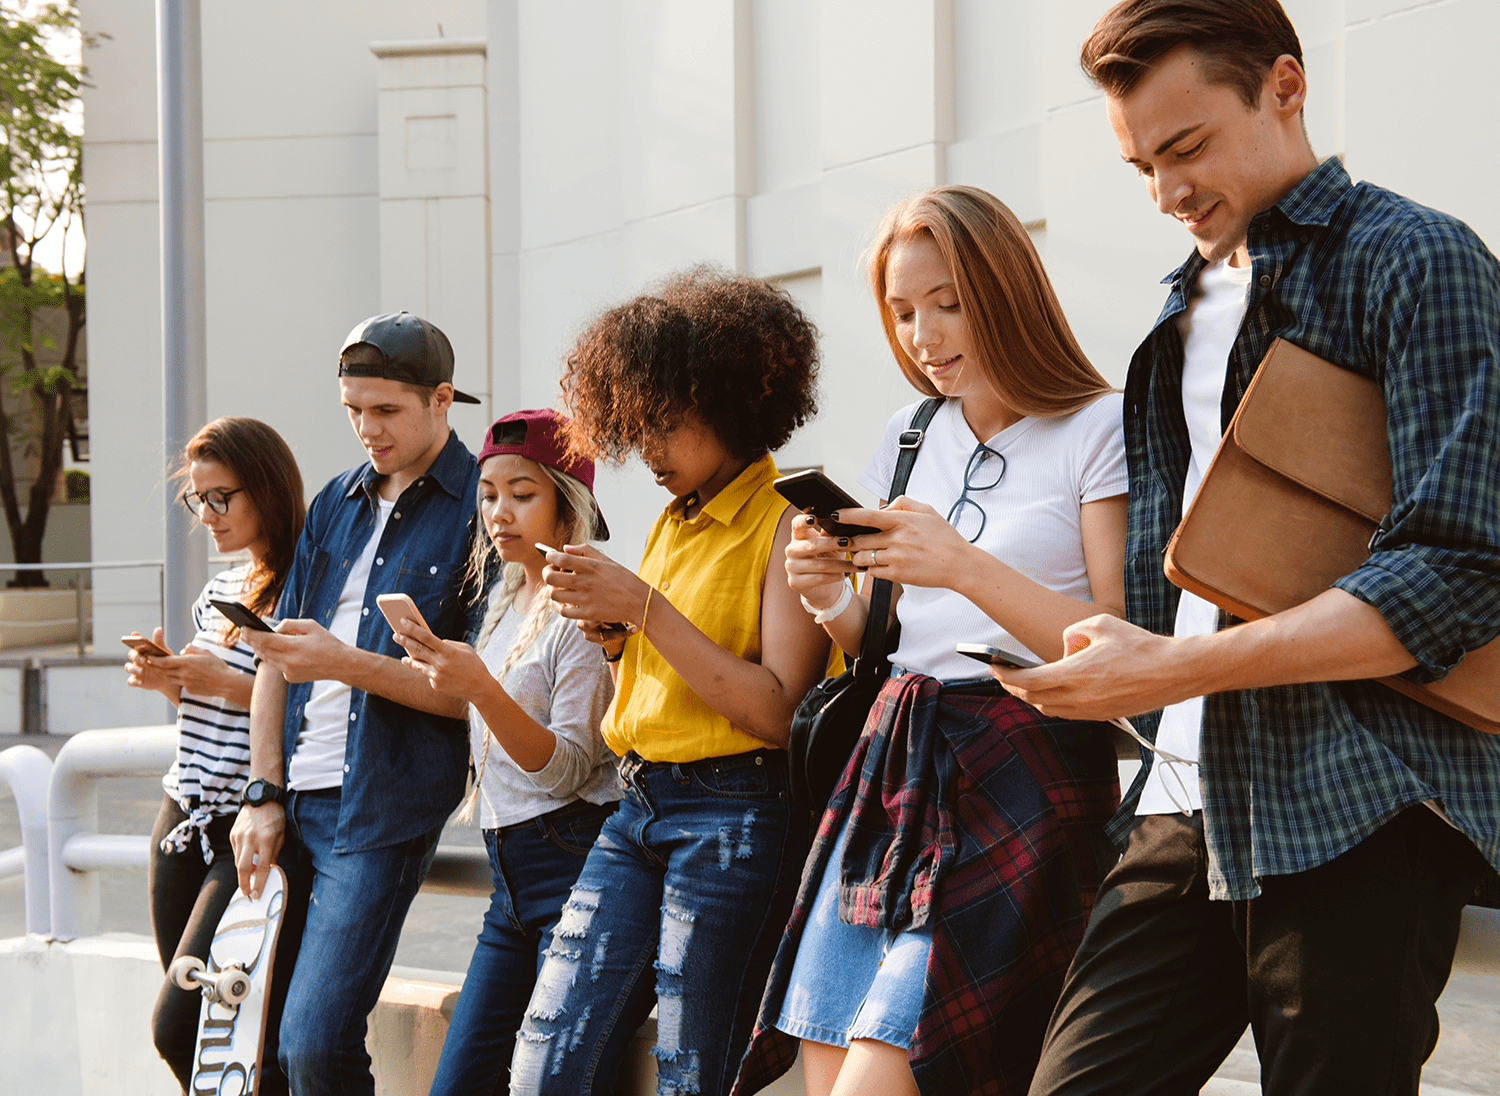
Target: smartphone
[814,493]
[983,652]
[398,606]
[145,646]
[240,614]
[604,626]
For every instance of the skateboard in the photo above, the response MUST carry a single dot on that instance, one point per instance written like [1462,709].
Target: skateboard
[235,983]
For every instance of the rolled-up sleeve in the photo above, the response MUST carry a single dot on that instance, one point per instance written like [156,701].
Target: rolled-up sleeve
[1434,568]
[581,691]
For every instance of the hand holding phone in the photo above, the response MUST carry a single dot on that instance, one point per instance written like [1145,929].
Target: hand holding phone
[994,656]
[611,626]
[142,645]
[396,607]
[242,615]
[814,493]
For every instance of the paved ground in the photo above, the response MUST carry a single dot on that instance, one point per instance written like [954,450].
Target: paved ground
[440,931]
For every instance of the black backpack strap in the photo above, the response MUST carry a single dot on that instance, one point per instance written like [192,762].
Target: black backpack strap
[872,647]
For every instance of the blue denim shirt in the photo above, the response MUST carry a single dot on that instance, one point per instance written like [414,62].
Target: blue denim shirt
[1293,776]
[404,769]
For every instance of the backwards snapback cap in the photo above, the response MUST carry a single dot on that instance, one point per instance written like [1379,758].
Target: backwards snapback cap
[538,435]
[410,350]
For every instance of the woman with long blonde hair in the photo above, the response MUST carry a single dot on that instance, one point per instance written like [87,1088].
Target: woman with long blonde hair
[537,690]
[957,860]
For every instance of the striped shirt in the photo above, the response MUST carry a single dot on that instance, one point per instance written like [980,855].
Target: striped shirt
[1293,776]
[213,734]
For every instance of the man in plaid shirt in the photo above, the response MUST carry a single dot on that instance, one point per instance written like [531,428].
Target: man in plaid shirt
[1305,870]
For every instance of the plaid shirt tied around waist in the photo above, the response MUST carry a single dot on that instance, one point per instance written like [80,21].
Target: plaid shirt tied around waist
[1293,776]
[972,810]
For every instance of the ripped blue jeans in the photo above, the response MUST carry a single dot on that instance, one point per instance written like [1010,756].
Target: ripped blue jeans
[680,904]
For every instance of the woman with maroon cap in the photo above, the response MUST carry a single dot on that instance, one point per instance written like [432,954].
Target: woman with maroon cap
[536,690]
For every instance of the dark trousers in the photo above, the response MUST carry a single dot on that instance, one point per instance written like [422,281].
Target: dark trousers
[187,899]
[1337,969]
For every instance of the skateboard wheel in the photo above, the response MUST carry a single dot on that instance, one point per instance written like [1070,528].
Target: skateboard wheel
[182,970]
[233,987]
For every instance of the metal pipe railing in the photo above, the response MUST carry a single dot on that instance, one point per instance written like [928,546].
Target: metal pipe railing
[76,583]
[26,770]
[77,852]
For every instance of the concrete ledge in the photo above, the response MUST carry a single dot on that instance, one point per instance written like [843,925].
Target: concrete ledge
[75,1020]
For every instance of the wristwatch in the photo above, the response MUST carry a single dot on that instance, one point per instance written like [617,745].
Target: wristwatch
[259,792]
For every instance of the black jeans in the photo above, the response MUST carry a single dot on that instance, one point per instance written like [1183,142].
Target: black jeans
[187,899]
[1337,969]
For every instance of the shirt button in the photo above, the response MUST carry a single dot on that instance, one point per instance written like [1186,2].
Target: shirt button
[365,611]
[352,717]
[379,561]
[432,570]
[1265,279]
[346,768]
[663,585]
[397,515]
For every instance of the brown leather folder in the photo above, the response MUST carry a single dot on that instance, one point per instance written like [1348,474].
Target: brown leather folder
[1290,502]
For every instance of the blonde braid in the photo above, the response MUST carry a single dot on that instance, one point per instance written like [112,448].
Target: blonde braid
[576,500]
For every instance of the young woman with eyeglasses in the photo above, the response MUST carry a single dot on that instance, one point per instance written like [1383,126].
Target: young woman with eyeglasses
[956,864]
[243,485]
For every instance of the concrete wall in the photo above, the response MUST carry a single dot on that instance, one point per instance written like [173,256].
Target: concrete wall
[623,138]
[76,1017]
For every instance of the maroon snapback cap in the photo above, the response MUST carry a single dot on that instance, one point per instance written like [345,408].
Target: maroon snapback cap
[538,435]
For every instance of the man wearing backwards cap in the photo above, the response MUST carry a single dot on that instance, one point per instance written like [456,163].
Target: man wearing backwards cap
[355,762]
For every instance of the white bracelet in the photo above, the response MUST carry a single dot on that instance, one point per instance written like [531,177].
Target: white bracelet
[823,616]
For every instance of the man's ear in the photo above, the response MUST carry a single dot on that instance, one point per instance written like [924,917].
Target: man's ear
[1287,83]
[442,398]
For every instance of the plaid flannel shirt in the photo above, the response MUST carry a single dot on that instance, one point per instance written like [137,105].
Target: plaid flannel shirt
[1295,775]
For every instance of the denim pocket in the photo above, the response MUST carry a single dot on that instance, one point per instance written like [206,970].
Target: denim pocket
[575,836]
[743,777]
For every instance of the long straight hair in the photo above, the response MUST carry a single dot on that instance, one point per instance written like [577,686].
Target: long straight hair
[1026,349]
[266,469]
[578,515]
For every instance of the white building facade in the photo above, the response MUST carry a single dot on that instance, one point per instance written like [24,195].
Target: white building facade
[507,168]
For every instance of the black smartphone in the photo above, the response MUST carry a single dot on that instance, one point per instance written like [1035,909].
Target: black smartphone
[983,652]
[239,614]
[814,493]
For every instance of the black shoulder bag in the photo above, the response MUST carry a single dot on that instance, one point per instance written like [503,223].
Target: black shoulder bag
[828,722]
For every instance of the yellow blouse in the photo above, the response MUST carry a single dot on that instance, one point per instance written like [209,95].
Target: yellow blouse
[713,569]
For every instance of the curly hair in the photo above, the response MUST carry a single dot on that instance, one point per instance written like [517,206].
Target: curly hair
[736,352]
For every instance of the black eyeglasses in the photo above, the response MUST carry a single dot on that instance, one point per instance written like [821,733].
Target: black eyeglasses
[980,474]
[216,497]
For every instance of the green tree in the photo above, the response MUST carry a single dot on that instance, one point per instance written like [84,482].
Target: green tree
[41,192]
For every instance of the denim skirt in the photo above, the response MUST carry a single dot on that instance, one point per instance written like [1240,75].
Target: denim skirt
[851,981]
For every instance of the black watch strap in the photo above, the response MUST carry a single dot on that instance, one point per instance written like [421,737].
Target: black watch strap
[260,791]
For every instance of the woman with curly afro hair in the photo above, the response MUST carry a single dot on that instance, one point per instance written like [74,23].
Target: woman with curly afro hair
[683,897]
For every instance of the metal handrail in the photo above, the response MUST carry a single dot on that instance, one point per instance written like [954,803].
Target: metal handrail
[26,770]
[77,852]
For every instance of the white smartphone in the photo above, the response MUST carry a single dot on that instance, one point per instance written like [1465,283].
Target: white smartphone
[396,607]
[983,652]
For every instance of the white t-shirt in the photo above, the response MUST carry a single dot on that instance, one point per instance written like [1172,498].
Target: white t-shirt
[563,683]
[1052,467]
[318,757]
[1208,327]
